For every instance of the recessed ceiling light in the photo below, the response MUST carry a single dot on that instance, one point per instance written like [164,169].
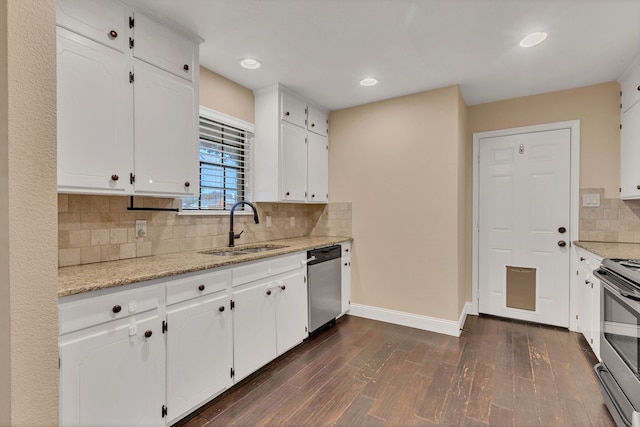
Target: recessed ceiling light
[533,39]
[250,63]
[368,81]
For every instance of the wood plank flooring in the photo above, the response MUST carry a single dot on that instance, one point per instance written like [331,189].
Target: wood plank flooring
[367,373]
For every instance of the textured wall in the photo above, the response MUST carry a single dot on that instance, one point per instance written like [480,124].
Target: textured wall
[28,232]
[225,96]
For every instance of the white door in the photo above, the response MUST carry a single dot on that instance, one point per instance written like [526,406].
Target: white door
[291,311]
[524,213]
[294,164]
[317,168]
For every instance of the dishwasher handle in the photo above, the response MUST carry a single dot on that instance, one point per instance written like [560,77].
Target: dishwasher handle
[308,260]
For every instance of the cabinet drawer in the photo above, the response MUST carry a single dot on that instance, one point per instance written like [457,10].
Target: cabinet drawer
[293,110]
[81,313]
[318,121]
[106,22]
[164,48]
[270,267]
[186,288]
[630,87]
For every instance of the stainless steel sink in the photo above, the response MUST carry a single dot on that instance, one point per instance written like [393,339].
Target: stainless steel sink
[236,251]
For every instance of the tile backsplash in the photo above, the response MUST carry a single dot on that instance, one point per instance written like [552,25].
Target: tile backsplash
[100,228]
[615,220]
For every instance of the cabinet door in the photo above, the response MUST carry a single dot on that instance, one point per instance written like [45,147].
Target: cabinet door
[291,310]
[160,46]
[317,121]
[199,352]
[95,117]
[345,276]
[294,163]
[254,328]
[630,87]
[630,153]
[113,375]
[595,310]
[106,22]
[317,168]
[165,137]
[293,110]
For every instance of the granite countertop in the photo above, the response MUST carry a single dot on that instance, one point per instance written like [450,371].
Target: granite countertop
[92,277]
[611,249]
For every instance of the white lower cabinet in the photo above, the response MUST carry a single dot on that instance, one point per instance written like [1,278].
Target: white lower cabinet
[113,374]
[345,276]
[148,354]
[588,298]
[199,341]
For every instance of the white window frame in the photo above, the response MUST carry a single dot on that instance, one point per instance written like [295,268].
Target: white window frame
[226,119]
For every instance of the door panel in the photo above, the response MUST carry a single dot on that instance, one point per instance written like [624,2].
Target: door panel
[524,194]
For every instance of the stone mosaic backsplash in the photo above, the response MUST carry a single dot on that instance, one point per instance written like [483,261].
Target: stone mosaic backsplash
[615,220]
[100,228]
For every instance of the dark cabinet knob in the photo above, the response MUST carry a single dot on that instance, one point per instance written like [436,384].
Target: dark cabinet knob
[268,291]
[114,177]
[313,125]
[562,243]
[639,88]
[201,288]
[562,230]
[637,187]
[148,333]
[113,34]
[582,258]
[186,67]
[313,195]
[221,308]
[586,282]
[187,184]
[345,264]
[287,193]
[116,309]
[283,287]
[287,113]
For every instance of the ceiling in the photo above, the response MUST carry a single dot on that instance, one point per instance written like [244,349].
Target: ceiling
[322,48]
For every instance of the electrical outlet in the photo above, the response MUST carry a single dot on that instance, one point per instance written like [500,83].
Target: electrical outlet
[292,221]
[268,221]
[141,228]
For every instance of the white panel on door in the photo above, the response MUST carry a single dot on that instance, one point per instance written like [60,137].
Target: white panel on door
[106,22]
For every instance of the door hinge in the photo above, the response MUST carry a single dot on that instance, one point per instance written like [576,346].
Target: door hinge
[233,304]
[591,340]
[576,317]
[305,194]
[305,279]
[132,178]
[59,363]
[130,42]
[131,22]
[306,329]
[620,125]
[232,372]
[131,77]
[164,411]
[165,326]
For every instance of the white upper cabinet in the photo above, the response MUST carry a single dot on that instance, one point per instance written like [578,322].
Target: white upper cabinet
[162,47]
[95,116]
[630,133]
[106,22]
[291,143]
[127,102]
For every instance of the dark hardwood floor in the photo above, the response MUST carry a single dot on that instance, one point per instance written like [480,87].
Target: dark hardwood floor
[367,373]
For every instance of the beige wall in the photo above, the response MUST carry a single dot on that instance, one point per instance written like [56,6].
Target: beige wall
[225,96]
[464,206]
[28,220]
[398,162]
[598,109]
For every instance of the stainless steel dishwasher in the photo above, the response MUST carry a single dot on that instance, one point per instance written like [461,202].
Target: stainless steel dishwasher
[324,285]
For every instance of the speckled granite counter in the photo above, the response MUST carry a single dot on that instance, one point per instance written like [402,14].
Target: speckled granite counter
[611,249]
[92,277]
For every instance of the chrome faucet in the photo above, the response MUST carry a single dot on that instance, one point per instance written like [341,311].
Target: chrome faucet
[232,235]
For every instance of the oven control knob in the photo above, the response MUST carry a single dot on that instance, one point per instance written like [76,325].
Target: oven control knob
[562,243]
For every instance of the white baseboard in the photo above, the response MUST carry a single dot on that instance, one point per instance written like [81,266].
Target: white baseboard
[426,323]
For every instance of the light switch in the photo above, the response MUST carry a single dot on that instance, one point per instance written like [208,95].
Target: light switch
[591,200]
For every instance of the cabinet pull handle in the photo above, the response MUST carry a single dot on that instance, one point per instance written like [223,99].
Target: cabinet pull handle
[114,177]
[221,308]
[283,287]
[201,288]
[148,333]
[268,291]
[582,258]
[187,184]
[586,282]
[116,308]
[113,34]
[186,67]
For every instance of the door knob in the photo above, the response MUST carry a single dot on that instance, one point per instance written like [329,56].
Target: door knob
[562,243]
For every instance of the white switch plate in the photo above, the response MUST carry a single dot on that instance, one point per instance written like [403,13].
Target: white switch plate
[268,221]
[292,221]
[141,228]
[591,200]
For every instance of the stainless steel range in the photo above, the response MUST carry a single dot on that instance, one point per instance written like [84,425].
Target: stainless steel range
[619,373]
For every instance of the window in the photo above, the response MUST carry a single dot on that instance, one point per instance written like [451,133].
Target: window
[224,162]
